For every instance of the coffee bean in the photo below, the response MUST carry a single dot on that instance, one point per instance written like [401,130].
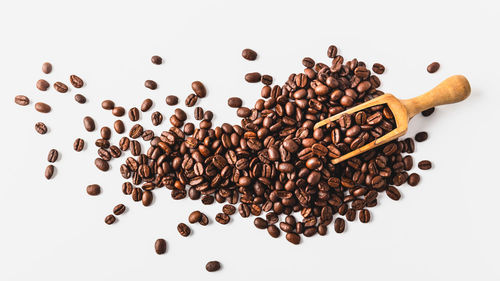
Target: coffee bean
[428,112]
[118,111]
[424,165]
[266,79]
[195,217]
[108,104]
[49,171]
[433,67]
[52,157]
[93,189]
[339,225]
[156,118]
[22,100]
[110,219]
[191,100]
[183,229]
[208,115]
[133,114]
[160,246]
[228,209]
[156,60]
[119,209]
[249,54]
[378,68]
[273,230]
[212,266]
[78,144]
[102,143]
[308,62]
[80,98]
[106,133]
[119,126]
[101,164]
[41,128]
[42,107]
[252,77]
[364,216]
[150,84]
[222,218]
[408,162]
[60,87]
[293,238]
[204,219]
[89,123]
[136,194]
[332,51]
[260,223]
[199,89]
[76,81]
[172,100]
[42,85]
[147,198]
[234,102]
[180,114]
[189,128]
[198,113]
[393,193]
[413,179]
[124,143]
[46,67]
[243,112]
[421,136]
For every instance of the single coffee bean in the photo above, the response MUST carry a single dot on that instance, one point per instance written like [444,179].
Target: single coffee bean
[433,67]
[274,231]
[243,112]
[41,128]
[183,229]
[60,87]
[260,223]
[80,98]
[252,77]
[228,209]
[204,219]
[119,209]
[147,198]
[42,85]
[188,129]
[195,217]
[89,123]
[428,112]
[424,165]
[212,266]
[421,136]
[180,114]
[160,246]
[266,79]
[46,67]
[172,100]
[393,193]
[191,100]
[332,51]
[52,157]
[119,126]
[124,143]
[408,162]
[136,194]
[156,118]
[208,115]
[76,81]
[78,144]
[133,114]
[293,238]
[108,104]
[198,113]
[199,89]
[118,111]
[234,102]
[150,84]
[364,216]
[249,54]
[147,135]
[93,189]
[146,105]
[308,62]
[102,143]
[22,100]
[156,60]
[101,164]
[222,218]
[378,68]
[49,171]
[106,133]
[339,225]
[413,179]
[42,107]
[110,219]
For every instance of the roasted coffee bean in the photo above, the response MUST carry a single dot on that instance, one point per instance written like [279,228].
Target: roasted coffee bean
[124,143]
[119,209]
[222,218]
[204,220]
[46,67]
[191,100]
[127,188]
[110,219]
[115,151]
[424,165]
[364,216]
[413,179]
[150,84]
[42,85]
[199,89]
[408,162]
[60,87]
[42,107]
[52,157]
[172,100]
[160,246]
[180,114]
[76,81]
[350,215]
[252,77]
[421,136]
[136,131]
[78,144]
[93,189]
[79,98]
[332,51]
[244,210]
[89,123]
[273,230]
[105,133]
[22,100]
[308,62]
[49,172]
[156,60]
[243,112]
[260,223]
[293,238]
[433,67]
[119,126]
[229,209]
[101,164]
[234,102]
[266,79]
[339,225]
[156,118]
[393,193]
[133,114]
[208,115]
[41,128]
[378,68]
[118,111]
[249,54]
[183,229]
[428,112]
[198,113]
[147,198]
[212,266]
[195,217]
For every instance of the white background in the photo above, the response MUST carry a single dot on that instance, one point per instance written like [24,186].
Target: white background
[445,228]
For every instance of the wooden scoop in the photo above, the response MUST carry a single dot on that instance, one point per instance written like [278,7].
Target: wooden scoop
[454,89]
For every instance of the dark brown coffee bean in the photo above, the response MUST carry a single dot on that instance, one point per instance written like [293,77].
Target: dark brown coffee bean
[364,216]
[222,218]
[60,87]
[350,215]
[433,67]
[52,157]
[133,114]
[172,100]
[42,85]
[428,112]
[42,107]
[115,151]
[293,238]
[274,231]
[308,62]
[136,131]
[41,128]
[189,128]
[332,51]
[378,68]
[76,81]
[108,104]
[234,102]
[260,223]
[413,179]
[119,209]
[252,77]
[199,89]
[183,229]
[208,115]
[46,67]
[150,84]
[118,111]
[228,209]
[160,246]
[127,188]
[93,189]
[249,54]
[195,217]
[180,114]
[148,135]
[49,172]
[408,162]
[106,133]
[101,164]
[393,193]
[421,136]
[266,79]
[110,219]
[22,100]
[198,113]
[147,198]
[79,98]
[212,266]
[272,218]
[191,100]
[243,112]
[424,165]
[124,143]
[78,144]
[156,118]
[204,220]
[119,126]
[156,60]
[339,225]
[244,210]
[89,123]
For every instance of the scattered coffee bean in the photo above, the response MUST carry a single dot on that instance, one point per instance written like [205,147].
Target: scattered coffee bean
[204,220]
[53,155]
[108,104]
[191,100]
[80,98]
[172,100]
[147,198]
[101,164]
[41,128]
[146,105]
[150,84]
[76,81]
[228,209]
[424,165]
[119,126]
[208,115]
[293,238]
[160,246]
[22,100]
[119,209]
[274,231]
[42,107]
[198,113]
[110,219]
[118,111]
[195,217]
[413,179]
[378,68]
[89,123]
[156,60]
[78,144]
[49,171]
[266,79]
[260,223]
[93,189]
[42,85]
[364,216]
[199,89]
[222,218]
[183,229]
[133,114]
[106,133]
[433,67]
[234,102]
[249,54]
[60,87]
[46,67]
[252,77]
[428,112]
[421,136]
[339,225]
[188,129]
[308,62]
[156,118]
[332,51]
[212,266]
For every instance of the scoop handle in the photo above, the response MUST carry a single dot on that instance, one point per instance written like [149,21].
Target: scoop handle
[454,89]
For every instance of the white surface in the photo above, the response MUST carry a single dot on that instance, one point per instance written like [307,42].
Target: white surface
[446,228]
